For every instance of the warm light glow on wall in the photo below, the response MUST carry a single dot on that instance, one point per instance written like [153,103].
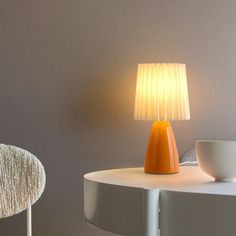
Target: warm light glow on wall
[161,92]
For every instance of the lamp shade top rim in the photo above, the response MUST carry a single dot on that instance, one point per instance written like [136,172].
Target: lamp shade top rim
[161,63]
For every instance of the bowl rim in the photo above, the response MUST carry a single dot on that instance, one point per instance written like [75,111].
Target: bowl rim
[215,141]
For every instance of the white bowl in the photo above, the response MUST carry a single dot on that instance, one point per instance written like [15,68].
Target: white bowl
[217,158]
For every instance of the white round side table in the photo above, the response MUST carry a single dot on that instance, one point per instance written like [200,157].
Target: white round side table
[133,203]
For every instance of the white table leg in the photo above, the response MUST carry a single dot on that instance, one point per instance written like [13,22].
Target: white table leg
[151,212]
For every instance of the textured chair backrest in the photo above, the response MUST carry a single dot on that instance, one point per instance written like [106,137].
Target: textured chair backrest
[22,180]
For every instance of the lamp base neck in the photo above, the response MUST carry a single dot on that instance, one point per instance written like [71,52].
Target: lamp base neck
[162,155]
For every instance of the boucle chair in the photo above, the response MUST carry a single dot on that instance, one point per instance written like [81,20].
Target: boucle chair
[22,182]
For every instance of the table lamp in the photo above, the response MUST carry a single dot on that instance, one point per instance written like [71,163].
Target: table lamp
[161,96]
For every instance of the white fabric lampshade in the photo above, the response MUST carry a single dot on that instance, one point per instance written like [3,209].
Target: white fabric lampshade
[161,92]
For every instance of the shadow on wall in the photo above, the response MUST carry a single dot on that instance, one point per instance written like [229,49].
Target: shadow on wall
[102,103]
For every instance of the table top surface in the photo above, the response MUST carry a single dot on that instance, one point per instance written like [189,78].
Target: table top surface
[189,179]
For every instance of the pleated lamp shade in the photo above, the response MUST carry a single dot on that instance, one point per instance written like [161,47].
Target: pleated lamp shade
[161,92]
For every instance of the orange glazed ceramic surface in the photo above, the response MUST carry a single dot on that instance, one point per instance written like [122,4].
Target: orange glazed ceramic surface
[162,155]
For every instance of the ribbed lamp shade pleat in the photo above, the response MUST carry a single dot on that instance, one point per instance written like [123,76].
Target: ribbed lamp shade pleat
[161,92]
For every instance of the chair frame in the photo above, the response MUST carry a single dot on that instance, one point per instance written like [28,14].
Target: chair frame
[29,221]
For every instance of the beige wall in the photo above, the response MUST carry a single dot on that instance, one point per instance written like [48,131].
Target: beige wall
[68,73]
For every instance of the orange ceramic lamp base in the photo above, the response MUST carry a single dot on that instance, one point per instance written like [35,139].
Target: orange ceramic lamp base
[162,155]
